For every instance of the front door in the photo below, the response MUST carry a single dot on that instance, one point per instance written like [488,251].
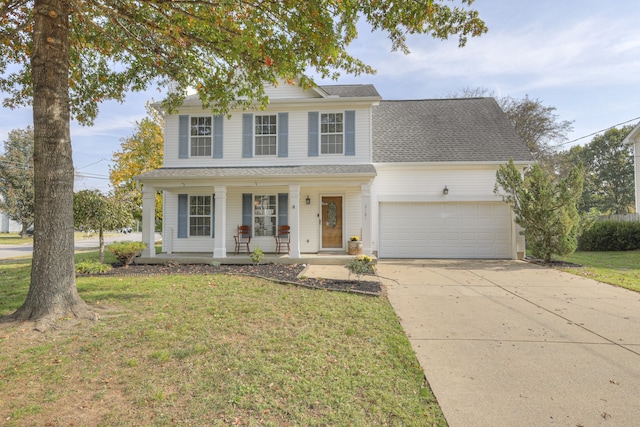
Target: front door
[332,222]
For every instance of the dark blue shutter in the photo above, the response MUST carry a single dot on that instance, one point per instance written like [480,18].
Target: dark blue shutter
[313,133]
[213,215]
[283,134]
[350,133]
[183,137]
[217,136]
[183,216]
[247,135]
[247,209]
[283,209]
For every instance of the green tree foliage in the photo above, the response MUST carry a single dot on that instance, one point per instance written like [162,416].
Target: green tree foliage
[547,210]
[139,153]
[16,178]
[608,164]
[68,56]
[94,211]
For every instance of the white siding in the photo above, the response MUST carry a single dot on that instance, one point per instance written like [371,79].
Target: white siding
[425,184]
[309,233]
[8,225]
[298,139]
[287,91]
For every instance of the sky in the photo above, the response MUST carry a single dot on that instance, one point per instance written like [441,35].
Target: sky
[580,56]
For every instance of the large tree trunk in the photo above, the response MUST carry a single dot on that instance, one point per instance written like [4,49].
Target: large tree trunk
[52,293]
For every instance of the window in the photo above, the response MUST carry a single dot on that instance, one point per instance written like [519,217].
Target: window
[266,135]
[200,215]
[201,136]
[265,215]
[331,133]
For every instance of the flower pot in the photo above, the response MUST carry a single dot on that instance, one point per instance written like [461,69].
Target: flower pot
[354,247]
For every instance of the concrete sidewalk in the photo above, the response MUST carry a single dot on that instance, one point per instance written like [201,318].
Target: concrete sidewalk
[506,343]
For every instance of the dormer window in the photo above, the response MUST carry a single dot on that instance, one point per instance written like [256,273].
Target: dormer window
[201,137]
[266,135]
[331,133]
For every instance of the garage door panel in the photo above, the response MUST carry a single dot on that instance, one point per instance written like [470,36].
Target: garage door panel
[445,230]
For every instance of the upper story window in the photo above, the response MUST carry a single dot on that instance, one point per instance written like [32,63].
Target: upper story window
[331,133]
[265,215]
[200,216]
[266,135]
[201,136]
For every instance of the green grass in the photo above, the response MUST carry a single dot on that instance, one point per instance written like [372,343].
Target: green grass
[210,350]
[13,239]
[617,268]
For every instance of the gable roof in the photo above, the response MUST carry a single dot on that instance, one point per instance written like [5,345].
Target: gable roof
[350,91]
[445,130]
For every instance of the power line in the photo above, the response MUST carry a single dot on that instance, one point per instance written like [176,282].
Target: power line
[597,132]
[94,163]
[90,175]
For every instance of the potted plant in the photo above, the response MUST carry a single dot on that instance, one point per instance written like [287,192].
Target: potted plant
[354,245]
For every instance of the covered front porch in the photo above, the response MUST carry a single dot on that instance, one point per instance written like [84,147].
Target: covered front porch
[322,206]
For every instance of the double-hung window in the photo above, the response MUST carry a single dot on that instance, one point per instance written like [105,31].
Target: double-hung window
[266,135]
[201,136]
[331,133]
[265,215]
[200,215]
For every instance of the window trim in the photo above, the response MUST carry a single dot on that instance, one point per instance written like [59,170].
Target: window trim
[210,135]
[274,214]
[321,133]
[206,216]
[274,135]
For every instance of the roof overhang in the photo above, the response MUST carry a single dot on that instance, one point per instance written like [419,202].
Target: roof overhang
[259,176]
[634,136]
[449,165]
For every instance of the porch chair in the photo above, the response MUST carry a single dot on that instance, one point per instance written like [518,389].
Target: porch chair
[283,238]
[242,238]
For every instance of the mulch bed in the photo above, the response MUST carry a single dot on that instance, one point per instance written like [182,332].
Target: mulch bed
[281,273]
[552,263]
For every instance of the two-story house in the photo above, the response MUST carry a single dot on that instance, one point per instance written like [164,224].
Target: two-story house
[412,179]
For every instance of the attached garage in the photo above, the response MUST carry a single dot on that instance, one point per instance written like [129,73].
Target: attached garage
[445,230]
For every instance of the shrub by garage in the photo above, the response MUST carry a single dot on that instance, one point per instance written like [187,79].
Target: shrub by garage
[611,236]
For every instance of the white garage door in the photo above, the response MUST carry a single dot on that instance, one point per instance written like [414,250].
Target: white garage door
[445,230]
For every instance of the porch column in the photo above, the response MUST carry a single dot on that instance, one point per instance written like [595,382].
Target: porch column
[294,220]
[366,219]
[220,244]
[148,220]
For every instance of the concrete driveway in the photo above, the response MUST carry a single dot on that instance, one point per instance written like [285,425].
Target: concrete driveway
[507,343]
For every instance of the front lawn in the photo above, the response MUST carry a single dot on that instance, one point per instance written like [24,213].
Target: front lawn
[210,350]
[617,268]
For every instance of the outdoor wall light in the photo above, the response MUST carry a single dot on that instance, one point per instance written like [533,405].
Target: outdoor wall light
[308,200]
[445,190]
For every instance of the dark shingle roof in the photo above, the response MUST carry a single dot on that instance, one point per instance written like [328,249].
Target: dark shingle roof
[444,130]
[261,171]
[350,91]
